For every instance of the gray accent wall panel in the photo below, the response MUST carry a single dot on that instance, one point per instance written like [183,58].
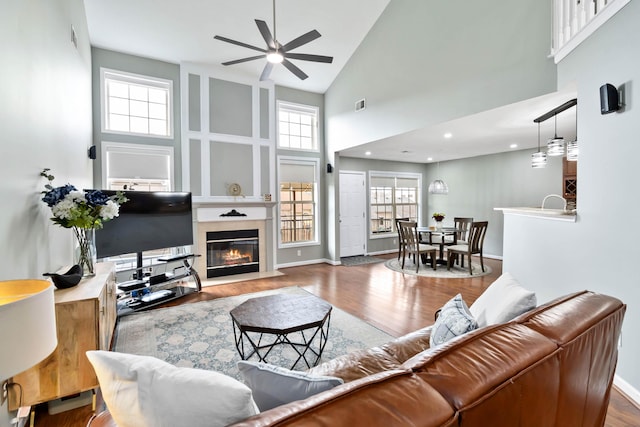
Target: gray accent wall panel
[231,163]
[230,108]
[194,102]
[264,113]
[195,167]
[264,171]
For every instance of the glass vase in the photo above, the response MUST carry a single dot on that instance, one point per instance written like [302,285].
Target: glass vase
[86,250]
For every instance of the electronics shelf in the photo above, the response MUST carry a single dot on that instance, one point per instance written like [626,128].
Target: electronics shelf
[151,291]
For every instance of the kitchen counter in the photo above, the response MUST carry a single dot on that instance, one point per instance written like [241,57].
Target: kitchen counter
[548,214]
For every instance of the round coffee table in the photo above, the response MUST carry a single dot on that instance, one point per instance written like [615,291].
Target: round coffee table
[278,316]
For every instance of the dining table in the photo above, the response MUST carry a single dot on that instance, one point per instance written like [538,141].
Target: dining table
[436,236]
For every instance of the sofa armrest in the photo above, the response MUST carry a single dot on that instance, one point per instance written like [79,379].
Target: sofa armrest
[407,346]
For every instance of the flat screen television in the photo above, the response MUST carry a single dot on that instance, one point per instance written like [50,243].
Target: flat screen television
[148,220]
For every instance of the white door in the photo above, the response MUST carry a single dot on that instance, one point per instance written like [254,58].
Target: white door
[353,205]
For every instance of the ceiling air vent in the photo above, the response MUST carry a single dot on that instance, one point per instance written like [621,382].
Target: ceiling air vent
[360,105]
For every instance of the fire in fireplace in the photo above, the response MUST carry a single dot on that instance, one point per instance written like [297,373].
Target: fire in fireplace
[232,252]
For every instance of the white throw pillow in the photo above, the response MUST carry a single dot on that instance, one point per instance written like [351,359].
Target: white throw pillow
[142,391]
[503,300]
[274,386]
[454,320]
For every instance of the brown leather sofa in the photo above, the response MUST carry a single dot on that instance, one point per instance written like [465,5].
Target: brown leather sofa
[552,366]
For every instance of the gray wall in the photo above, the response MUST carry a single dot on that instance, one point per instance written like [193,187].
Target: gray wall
[45,117]
[477,185]
[289,256]
[103,58]
[588,254]
[426,62]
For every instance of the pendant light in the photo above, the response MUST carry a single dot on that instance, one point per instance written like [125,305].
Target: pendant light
[572,147]
[438,186]
[539,159]
[555,146]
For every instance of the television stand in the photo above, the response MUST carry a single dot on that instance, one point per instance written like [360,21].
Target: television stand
[148,292]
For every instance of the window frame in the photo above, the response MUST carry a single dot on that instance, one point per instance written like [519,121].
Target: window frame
[136,149]
[395,176]
[305,109]
[132,78]
[287,160]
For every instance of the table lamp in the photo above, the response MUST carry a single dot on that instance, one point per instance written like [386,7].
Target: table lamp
[28,331]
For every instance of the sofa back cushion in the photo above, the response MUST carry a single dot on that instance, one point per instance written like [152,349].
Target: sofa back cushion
[502,301]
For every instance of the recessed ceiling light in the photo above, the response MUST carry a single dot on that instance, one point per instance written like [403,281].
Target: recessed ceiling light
[513,146]
[448,135]
[429,159]
[367,153]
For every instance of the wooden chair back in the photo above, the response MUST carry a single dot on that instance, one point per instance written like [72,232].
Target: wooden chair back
[463,224]
[476,236]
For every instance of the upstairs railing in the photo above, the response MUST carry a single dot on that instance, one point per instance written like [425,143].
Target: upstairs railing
[575,20]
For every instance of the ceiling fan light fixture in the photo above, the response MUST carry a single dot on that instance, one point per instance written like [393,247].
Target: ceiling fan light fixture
[275,57]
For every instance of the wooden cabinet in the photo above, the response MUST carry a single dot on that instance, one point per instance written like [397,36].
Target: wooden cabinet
[85,320]
[570,182]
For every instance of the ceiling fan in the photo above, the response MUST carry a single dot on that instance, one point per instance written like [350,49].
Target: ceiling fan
[277,53]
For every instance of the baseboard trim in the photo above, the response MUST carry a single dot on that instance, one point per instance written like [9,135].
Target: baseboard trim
[306,262]
[627,389]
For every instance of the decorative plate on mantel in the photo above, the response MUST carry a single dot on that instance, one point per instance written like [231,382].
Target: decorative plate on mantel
[235,189]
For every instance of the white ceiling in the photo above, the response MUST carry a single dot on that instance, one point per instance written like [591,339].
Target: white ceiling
[480,134]
[182,31]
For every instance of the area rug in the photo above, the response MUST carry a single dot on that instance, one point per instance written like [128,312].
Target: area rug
[360,260]
[441,271]
[200,335]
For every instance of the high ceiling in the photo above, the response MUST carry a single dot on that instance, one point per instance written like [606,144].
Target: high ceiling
[182,31]
[489,132]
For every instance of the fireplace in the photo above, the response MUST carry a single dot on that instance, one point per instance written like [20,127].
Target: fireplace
[232,252]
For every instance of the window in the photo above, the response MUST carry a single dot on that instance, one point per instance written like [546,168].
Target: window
[392,196]
[135,104]
[298,194]
[297,126]
[137,167]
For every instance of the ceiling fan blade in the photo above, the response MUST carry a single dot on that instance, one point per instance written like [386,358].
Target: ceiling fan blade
[266,72]
[303,39]
[248,46]
[238,61]
[266,34]
[295,70]
[314,58]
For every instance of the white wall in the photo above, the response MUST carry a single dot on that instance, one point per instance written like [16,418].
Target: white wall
[600,251]
[45,121]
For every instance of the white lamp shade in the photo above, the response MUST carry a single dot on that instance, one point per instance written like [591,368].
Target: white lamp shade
[28,319]
[438,187]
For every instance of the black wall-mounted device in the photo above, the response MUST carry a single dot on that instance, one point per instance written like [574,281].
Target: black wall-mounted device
[329,168]
[609,101]
[92,152]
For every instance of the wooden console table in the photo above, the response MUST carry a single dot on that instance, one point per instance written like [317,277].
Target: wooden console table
[85,320]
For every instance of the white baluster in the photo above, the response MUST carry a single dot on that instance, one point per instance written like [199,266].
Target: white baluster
[567,20]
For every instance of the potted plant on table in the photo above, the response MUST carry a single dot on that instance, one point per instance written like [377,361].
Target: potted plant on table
[439,217]
[84,212]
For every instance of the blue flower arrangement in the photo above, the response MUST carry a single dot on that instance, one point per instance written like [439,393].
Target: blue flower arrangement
[83,211]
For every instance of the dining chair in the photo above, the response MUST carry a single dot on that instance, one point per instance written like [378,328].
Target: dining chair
[400,237]
[412,245]
[463,224]
[477,231]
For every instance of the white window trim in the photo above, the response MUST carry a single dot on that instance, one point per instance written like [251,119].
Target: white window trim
[316,219]
[139,149]
[386,174]
[137,78]
[305,108]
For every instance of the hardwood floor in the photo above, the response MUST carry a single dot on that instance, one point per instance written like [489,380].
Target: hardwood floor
[392,302]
